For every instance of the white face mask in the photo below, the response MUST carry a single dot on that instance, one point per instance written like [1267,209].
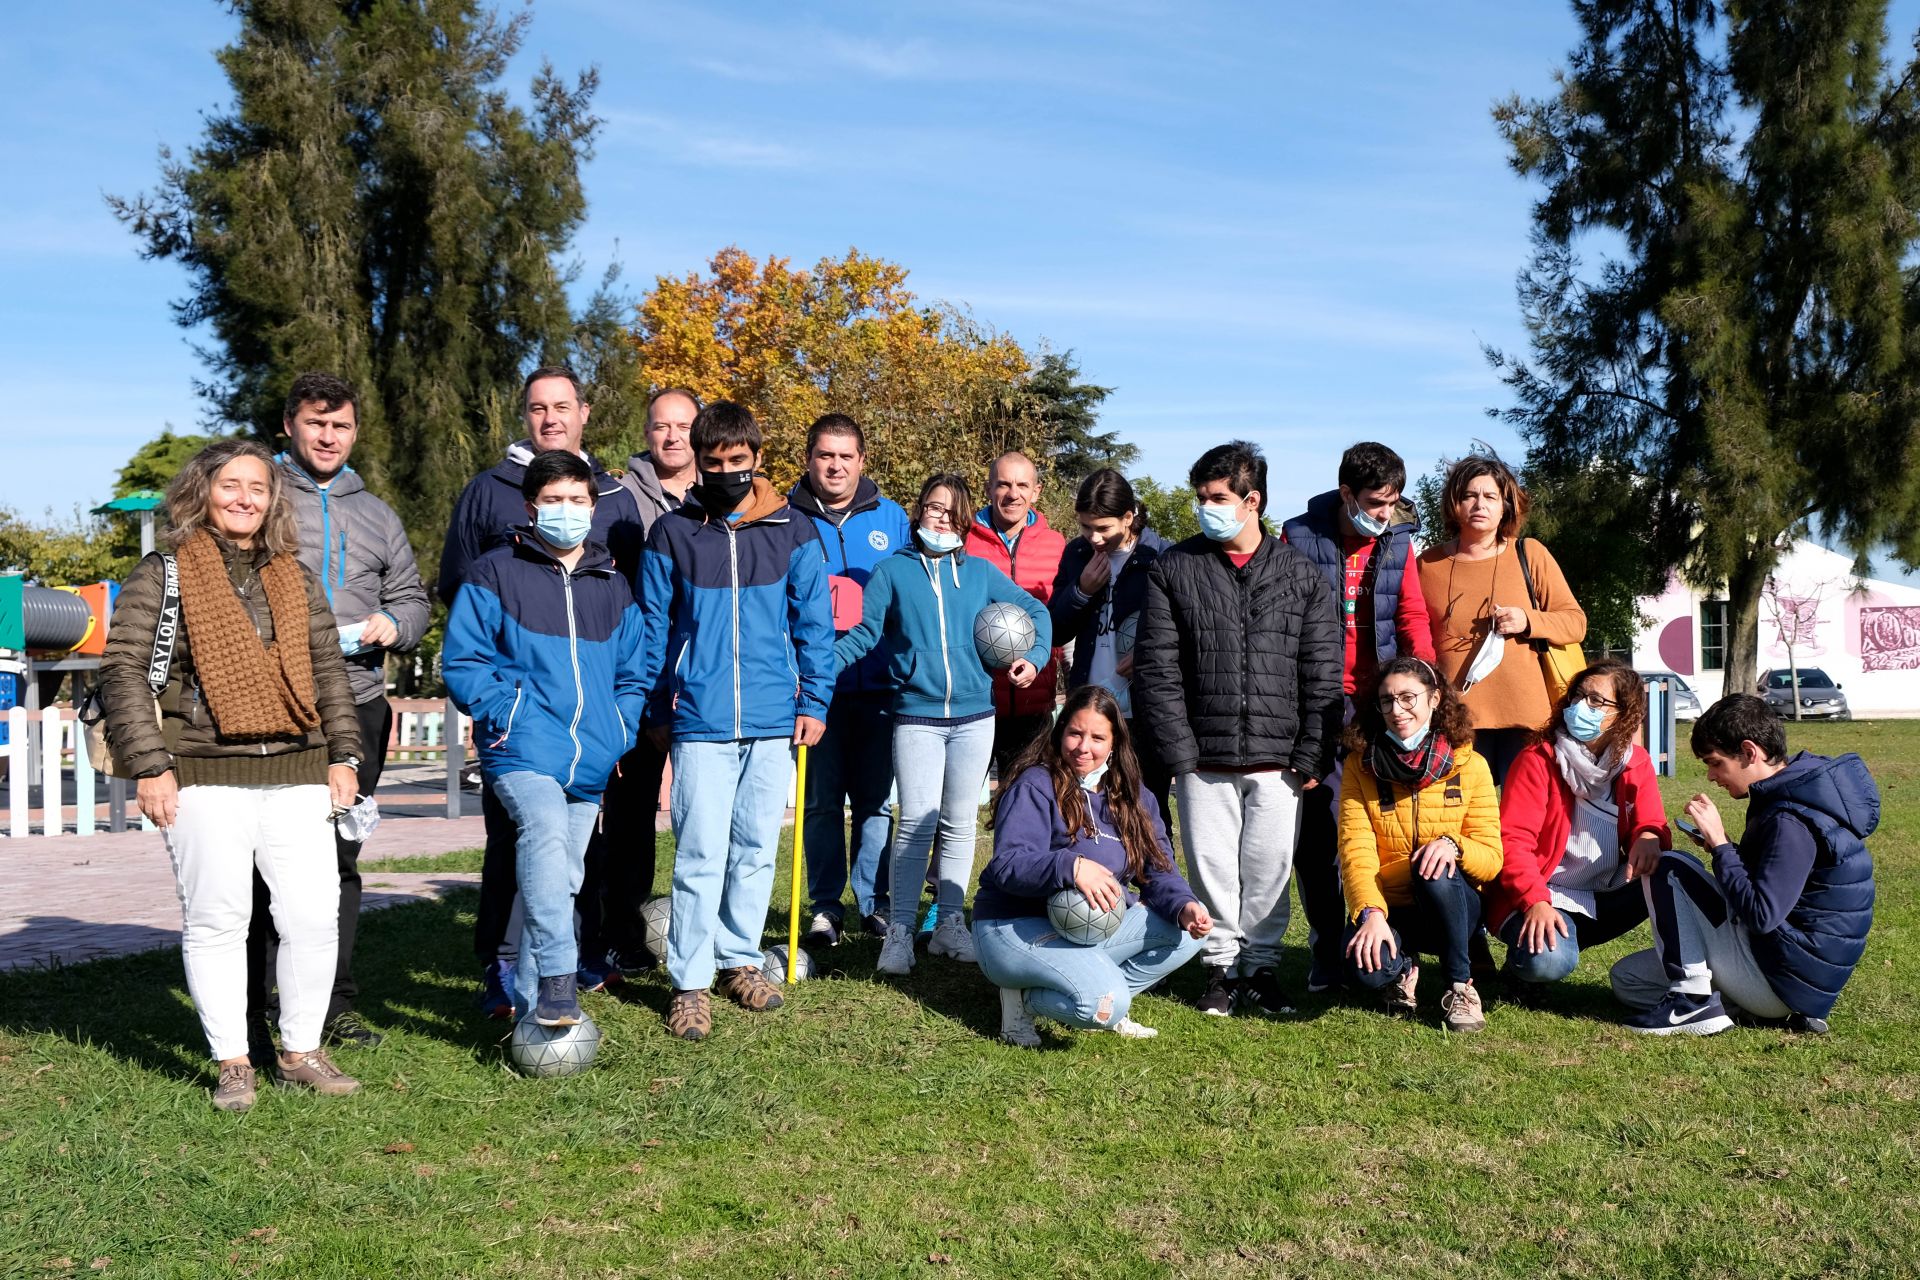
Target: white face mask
[1091,781]
[1484,660]
[357,823]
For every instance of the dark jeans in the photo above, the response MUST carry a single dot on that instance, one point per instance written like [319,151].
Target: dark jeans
[1154,773]
[1443,915]
[1316,870]
[620,857]
[1620,912]
[851,767]
[1500,748]
[263,940]
[498,878]
[1011,736]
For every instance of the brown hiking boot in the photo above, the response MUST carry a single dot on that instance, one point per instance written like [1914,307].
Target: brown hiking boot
[749,988]
[313,1070]
[235,1091]
[689,1015]
[1461,1005]
[1400,998]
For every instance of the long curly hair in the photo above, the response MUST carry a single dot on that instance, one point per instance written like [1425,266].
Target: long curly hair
[1450,718]
[1617,681]
[1121,785]
[190,497]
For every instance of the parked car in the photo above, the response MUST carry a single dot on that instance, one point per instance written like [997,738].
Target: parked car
[1686,703]
[1820,696]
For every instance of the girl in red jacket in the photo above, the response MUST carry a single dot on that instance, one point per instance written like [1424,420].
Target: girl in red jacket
[1580,821]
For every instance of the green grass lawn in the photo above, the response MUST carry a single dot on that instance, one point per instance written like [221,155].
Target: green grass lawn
[873,1128]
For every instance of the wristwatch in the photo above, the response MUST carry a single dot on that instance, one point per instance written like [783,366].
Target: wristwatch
[352,762]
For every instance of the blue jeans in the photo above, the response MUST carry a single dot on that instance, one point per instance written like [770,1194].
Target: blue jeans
[851,765]
[1620,911]
[1090,987]
[1442,917]
[727,801]
[554,829]
[939,769]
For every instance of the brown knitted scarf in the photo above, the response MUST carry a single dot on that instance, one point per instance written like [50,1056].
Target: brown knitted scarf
[255,691]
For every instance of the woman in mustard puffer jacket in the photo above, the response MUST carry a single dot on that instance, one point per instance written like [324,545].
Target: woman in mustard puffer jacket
[1419,836]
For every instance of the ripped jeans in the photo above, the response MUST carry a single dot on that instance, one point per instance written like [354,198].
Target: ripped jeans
[1087,987]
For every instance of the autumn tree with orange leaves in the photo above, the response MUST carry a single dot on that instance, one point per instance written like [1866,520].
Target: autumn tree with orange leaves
[933,388]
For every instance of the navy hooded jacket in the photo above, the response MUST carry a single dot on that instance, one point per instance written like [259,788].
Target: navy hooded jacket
[547,662]
[491,506]
[1076,616]
[1807,904]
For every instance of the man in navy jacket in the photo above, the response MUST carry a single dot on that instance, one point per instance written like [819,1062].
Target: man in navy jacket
[1778,925]
[853,765]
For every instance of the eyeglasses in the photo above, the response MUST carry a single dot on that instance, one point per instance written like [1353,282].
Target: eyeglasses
[935,511]
[1597,702]
[1406,701]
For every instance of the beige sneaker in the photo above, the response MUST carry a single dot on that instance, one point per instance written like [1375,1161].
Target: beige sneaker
[750,989]
[313,1070]
[1461,1005]
[235,1091]
[1400,993]
[690,1015]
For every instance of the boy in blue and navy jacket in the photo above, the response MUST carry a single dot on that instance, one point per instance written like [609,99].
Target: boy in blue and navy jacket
[853,765]
[543,651]
[1778,925]
[739,661]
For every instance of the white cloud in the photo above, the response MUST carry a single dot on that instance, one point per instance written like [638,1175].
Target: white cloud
[699,145]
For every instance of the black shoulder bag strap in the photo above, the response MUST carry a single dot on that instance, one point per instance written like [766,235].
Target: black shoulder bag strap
[166,628]
[1526,576]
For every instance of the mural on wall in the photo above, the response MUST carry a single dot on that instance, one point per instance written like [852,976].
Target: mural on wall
[1890,638]
[1794,614]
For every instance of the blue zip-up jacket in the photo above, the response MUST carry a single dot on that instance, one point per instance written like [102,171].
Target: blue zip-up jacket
[739,638]
[929,626]
[547,662]
[1033,853]
[491,507]
[853,539]
[1801,878]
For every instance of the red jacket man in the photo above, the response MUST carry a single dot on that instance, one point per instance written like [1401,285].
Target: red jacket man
[1010,533]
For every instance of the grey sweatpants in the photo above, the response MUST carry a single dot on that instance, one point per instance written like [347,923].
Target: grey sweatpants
[1239,830]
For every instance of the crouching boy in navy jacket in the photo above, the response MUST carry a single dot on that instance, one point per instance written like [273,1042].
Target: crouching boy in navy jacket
[1779,924]
[543,651]
[739,645]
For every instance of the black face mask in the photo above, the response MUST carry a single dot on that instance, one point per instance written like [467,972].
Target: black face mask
[720,491]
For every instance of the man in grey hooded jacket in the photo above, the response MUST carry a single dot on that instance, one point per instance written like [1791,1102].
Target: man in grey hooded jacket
[355,546]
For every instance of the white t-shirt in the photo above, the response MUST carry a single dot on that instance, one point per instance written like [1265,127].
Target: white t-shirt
[1106,655]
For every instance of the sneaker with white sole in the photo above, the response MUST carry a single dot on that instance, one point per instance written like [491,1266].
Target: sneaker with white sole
[823,930]
[1217,1000]
[1402,1002]
[1680,1014]
[896,953]
[1134,1031]
[1016,1024]
[952,938]
[1460,1007]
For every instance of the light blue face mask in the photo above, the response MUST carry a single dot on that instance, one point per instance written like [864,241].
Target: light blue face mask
[1218,522]
[1091,781]
[1372,526]
[563,524]
[1583,722]
[1413,743]
[939,542]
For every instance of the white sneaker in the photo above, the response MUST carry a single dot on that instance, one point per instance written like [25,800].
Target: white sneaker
[1134,1031]
[896,953]
[952,938]
[1016,1024]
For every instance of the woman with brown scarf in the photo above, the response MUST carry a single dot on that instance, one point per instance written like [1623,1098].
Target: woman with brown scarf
[254,743]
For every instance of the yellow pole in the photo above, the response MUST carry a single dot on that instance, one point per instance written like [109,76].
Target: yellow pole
[799,848]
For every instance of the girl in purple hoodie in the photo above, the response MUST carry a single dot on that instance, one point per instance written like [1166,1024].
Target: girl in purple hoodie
[1076,816]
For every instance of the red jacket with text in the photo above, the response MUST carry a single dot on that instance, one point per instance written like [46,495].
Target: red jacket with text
[1031,563]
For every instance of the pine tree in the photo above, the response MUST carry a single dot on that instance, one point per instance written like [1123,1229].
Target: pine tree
[1743,368]
[373,204]
[1069,411]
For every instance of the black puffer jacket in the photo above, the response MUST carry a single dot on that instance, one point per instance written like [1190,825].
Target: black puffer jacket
[1239,668]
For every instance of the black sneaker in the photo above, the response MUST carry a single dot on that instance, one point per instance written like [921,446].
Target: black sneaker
[1325,977]
[875,925]
[1680,1014]
[1217,1000]
[823,931]
[1264,991]
[559,1003]
[1480,958]
[345,1028]
[637,960]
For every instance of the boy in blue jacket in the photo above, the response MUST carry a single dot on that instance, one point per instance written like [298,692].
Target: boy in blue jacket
[543,651]
[739,664]
[1780,922]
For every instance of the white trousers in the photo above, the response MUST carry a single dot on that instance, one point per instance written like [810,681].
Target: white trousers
[220,835]
[1240,830]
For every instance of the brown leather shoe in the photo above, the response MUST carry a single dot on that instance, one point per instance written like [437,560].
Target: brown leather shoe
[689,1015]
[313,1070]
[749,988]
[235,1091]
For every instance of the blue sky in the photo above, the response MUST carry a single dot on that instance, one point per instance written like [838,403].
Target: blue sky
[1289,222]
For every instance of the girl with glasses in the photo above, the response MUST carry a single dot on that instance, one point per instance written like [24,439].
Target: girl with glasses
[1581,821]
[1419,836]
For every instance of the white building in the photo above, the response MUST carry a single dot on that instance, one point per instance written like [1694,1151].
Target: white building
[1864,634]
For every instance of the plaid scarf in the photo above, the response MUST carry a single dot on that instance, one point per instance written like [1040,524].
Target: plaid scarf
[1426,764]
